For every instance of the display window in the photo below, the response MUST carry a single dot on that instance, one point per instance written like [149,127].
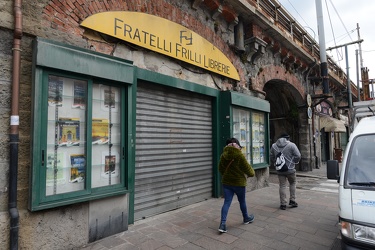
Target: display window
[249,128]
[259,137]
[65,168]
[106,135]
[81,140]
[241,130]
[82,146]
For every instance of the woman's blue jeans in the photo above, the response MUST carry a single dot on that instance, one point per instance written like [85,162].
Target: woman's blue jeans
[229,192]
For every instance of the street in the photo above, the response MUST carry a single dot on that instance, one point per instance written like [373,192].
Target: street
[313,225]
[315,181]
[311,182]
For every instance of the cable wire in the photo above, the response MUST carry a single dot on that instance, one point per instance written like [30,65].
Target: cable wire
[338,52]
[298,13]
[341,20]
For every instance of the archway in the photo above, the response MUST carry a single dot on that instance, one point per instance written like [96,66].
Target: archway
[288,115]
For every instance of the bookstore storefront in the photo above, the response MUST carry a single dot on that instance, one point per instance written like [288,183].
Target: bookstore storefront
[98,130]
[130,142]
[142,142]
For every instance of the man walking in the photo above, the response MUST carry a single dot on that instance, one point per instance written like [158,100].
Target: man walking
[286,155]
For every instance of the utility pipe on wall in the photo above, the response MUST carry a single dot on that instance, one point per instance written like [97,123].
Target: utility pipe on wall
[14,125]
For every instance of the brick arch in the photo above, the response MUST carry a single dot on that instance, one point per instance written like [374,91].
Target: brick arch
[66,15]
[276,72]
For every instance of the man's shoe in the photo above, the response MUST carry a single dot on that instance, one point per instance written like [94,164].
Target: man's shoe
[248,219]
[282,207]
[293,203]
[222,228]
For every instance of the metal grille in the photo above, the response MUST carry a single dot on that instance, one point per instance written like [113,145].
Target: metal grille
[173,149]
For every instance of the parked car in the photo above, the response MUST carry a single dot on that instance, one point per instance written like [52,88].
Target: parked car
[357,187]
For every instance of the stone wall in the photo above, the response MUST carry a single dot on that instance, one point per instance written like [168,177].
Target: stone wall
[5,93]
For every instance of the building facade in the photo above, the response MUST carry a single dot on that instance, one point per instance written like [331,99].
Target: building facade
[114,111]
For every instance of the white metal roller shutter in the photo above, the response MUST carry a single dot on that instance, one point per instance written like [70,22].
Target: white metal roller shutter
[173,165]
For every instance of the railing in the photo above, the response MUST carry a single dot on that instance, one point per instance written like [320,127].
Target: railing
[274,10]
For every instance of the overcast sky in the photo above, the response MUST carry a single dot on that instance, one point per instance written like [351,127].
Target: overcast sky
[340,27]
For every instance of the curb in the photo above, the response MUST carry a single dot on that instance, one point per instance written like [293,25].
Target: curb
[302,175]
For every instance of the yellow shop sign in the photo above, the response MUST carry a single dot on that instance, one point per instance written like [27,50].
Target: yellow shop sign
[162,36]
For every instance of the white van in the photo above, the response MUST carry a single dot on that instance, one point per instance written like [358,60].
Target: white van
[357,187]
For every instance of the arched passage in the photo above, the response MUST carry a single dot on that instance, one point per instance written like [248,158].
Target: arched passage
[288,115]
[284,101]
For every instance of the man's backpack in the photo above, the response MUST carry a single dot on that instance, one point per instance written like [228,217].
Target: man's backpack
[280,162]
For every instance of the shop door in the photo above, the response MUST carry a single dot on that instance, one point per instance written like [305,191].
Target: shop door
[173,165]
[324,138]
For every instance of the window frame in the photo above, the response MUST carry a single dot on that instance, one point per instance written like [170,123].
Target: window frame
[249,143]
[47,53]
[234,100]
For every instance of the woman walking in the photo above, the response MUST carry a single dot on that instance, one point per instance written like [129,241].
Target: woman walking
[234,169]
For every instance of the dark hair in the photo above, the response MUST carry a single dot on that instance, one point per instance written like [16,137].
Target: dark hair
[233,140]
[284,135]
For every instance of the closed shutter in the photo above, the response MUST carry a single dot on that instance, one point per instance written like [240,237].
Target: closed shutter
[173,165]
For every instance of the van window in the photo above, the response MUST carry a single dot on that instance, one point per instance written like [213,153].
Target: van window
[361,162]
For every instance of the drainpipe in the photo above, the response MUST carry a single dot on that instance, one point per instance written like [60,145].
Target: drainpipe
[14,124]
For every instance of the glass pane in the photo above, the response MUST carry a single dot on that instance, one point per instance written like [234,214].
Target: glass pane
[66,159]
[361,161]
[241,130]
[106,135]
[258,137]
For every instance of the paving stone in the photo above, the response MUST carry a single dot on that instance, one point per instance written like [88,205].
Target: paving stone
[313,225]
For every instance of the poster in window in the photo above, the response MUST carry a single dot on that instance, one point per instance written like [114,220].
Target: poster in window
[69,132]
[78,168]
[109,98]
[55,165]
[100,131]
[109,164]
[256,134]
[55,91]
[261,153]
[79,94]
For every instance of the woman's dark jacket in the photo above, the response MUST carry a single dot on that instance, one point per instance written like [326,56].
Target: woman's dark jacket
[239,169]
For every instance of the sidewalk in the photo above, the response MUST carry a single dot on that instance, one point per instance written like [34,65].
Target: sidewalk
[316,172]
[313,225]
